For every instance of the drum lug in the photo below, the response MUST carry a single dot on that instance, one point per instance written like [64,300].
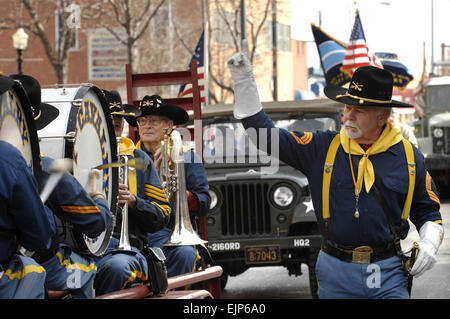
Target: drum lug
[77,102]
[70,137]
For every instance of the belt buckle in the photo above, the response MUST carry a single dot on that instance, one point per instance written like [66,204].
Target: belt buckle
[361,255]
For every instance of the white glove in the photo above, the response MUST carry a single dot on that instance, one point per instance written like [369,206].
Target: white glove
[246,97]
[431,235]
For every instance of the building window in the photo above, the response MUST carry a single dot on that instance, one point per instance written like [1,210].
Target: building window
[161,24]
[283,36]
[59,29]
[226,25]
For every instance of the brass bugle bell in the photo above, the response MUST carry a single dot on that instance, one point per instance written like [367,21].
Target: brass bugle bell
[124,240]
[183,233]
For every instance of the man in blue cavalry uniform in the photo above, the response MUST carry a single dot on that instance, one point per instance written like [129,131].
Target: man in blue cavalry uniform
[148,210]
[24,220]
[156,115]
[87,213]
[352,174]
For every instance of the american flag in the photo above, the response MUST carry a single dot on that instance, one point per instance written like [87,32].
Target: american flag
[331,53]
[357,53]
[186,89]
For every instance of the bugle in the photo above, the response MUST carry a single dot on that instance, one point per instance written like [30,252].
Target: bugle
[183,233]
[124,241]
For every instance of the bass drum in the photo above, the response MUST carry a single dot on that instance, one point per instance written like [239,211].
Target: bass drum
[83,132]
[17,127]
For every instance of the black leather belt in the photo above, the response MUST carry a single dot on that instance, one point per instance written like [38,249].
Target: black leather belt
[137,243]
[42,255]
[360,255]
[4,264]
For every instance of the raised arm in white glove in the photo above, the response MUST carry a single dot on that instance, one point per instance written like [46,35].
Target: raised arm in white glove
[431,235]
[246,97]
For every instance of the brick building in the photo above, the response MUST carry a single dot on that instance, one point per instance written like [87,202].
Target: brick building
[167,44]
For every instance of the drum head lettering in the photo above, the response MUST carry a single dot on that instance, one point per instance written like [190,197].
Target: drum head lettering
[84,133]
[17,127]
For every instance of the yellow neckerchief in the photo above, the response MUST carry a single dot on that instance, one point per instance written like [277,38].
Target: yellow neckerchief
[139,145]
[328,170]
[389,137]
[127,147]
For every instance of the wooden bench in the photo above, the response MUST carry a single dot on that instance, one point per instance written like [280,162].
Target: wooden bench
[201,276]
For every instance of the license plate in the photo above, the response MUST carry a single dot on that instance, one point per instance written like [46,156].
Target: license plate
[262,254]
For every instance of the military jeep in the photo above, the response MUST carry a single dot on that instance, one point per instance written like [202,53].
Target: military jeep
[261,213]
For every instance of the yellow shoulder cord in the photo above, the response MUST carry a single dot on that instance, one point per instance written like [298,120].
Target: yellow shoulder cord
[409,152]
[327,171]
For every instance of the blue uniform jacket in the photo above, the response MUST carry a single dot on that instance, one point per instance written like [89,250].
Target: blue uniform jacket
[23,217]
[307,153]
[196,179]
[152,210]
[71,203]
[197,182]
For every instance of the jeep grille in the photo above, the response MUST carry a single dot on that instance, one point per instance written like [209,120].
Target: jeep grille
[245,208]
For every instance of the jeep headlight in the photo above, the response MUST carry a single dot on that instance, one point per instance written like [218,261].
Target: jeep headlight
[283,196]
[213,195]
[438,132]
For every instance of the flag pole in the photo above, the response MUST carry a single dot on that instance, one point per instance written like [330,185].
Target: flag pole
[244,41]
[206,49]
[274,51]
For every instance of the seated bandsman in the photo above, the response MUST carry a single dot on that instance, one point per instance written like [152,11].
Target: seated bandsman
[147,212]
[67,269]
[156,116]
[24,220]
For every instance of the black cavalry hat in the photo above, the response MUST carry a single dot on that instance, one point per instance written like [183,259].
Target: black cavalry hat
[43,113]
[5,83]
[155,105]
[128,111]
[369,86]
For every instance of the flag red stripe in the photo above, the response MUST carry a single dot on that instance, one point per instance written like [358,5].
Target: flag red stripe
[357,46]
[355,56]
[354,66]
[189,90]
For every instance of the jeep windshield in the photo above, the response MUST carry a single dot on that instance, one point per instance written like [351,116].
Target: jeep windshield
[226,140]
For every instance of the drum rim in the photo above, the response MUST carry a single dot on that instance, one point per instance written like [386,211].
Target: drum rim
[32,132]
[80,93]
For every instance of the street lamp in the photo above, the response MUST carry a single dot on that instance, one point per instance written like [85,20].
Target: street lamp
[20,42]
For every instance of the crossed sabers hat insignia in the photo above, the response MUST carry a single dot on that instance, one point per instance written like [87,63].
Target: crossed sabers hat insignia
[150,103]
[356,86]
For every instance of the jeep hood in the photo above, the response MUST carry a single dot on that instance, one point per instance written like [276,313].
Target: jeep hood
[246,171]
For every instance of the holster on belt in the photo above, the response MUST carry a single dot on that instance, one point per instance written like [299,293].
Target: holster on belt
[408,263]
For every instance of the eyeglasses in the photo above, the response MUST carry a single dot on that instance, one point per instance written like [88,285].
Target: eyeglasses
[152,121]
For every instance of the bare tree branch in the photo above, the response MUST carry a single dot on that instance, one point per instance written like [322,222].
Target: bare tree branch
[149,19]
[229,12]
[133,17]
